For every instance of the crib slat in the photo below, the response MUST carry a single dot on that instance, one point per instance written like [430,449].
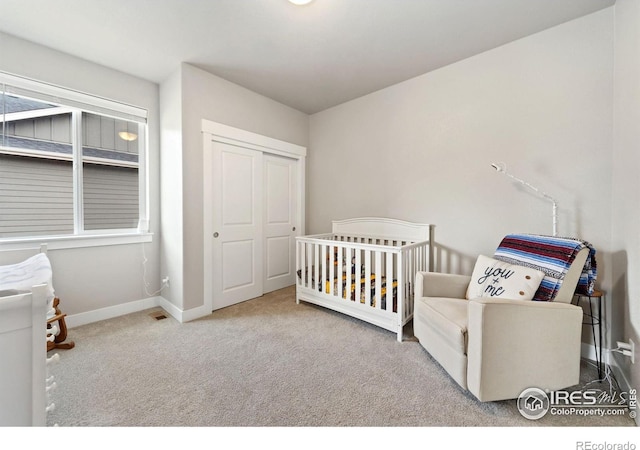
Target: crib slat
[303,264]
[367,277]
[340,271]
[431,248]
[377,288]
[358,265]
[408,280]
[323,268]
[300,261]
[401,282]
[332,271]
[298,279]
[347,263]
[418,267]
[316,269]
[309,264]
[389,279]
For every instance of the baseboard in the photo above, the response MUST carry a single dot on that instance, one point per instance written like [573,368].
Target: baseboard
[611,359]
[182,315]
[194,313]
[588,351]
[622,377]
[110,312]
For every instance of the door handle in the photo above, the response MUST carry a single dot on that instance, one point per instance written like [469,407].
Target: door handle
[293,229]
[216,234]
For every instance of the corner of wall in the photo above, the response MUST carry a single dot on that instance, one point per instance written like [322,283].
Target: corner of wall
[171,188]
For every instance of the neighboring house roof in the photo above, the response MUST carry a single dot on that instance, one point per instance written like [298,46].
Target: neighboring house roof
[67,149]
[15,104]
[20,104]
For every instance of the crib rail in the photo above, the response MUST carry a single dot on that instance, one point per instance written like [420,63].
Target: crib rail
[376,276]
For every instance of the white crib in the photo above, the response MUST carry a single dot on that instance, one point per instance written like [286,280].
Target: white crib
[365,268]
[26,302]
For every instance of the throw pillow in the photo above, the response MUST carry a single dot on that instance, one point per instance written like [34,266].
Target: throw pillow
[493,278]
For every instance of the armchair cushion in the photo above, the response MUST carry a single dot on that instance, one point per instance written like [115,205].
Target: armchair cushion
[435,284]
[449,317]
[440,324]
[514,345]
[493,278]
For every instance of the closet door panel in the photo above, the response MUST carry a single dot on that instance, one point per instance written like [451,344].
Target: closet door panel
[280,221]
[237,224]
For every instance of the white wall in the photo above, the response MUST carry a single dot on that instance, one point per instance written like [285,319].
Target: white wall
[171,248]
[625,308]
[421,150]
[90,279]
[205,96]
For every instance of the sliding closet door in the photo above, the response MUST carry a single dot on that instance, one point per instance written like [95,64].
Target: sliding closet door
[237,224]
[280,221]
[253,192]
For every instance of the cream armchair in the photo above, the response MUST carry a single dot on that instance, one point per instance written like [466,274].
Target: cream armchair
[496,348]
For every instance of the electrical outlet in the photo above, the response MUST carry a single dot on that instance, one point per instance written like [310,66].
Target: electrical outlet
[165,281]
[628,349]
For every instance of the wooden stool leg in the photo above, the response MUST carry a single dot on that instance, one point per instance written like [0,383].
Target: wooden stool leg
[58,342]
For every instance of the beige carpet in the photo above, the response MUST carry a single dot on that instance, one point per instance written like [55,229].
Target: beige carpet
[267,363]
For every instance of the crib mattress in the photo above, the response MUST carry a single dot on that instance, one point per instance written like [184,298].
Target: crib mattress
[362,290]
[359,293]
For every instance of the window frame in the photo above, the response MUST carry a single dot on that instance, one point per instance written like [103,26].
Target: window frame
[77,103]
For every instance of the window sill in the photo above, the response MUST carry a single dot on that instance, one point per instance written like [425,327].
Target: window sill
[76,241]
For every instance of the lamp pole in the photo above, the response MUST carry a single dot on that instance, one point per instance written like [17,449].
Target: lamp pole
[501,167]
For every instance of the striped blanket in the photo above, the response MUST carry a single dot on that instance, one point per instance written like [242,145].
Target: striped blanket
[551,255]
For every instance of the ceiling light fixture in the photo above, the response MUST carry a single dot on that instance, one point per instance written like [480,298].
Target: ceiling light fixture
[127,136]
[300,2]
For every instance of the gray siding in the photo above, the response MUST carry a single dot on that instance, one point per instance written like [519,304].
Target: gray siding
[36,197]
[97,131]
[102,132]
[110,197]
[50,128]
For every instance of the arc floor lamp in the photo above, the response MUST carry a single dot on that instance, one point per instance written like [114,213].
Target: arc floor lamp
[502,168]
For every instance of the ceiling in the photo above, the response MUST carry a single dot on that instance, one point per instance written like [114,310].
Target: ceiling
[309,57]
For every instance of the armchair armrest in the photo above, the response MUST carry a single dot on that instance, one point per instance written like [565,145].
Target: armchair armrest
[434,284]
[542,341]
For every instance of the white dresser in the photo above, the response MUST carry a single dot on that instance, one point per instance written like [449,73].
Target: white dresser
[23,356]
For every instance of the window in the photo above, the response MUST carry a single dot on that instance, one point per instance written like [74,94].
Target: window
[70,164]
